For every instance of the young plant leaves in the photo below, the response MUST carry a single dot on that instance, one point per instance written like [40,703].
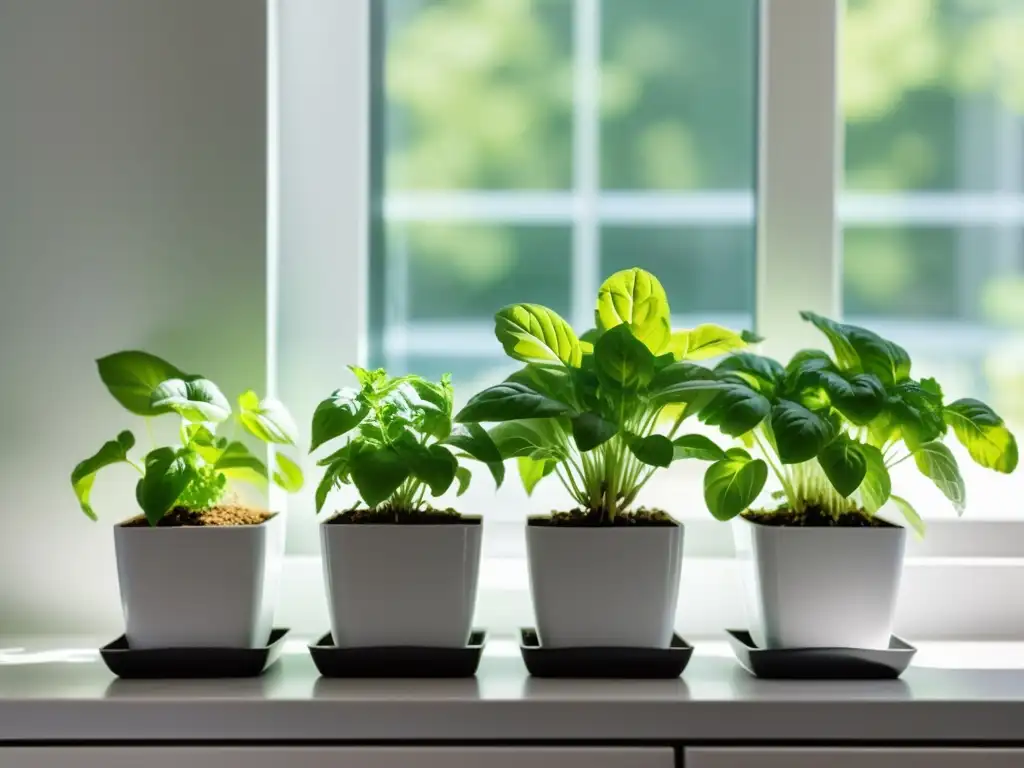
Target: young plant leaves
[860,350]
[336,415]
[237,462]
[983,434]
[760,373]
[800,434]
[168,473]
[536,334]
[196,400]
[732,484]
[267,419]
[937,462]
[736,409]
[844,464]
[704,342]
[532,471]
[509,401]
[622,361]
[84,474]
[377,471]
[635,298]
[463,476]
[909,514]
[475,441]
[876,488]
[288,474]
[434,464]
[654,450]
[132,376]
[590,430]
[696,447]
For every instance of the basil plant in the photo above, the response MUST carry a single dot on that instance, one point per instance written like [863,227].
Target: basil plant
[194,473]
[401,442]
[831,427]
[594,410]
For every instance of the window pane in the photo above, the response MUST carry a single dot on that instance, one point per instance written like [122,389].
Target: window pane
[934,205]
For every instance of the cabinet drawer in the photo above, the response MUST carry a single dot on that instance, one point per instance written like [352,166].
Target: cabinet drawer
[853,758]
[333,757]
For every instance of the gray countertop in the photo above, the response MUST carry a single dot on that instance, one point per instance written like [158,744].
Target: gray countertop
[58,690]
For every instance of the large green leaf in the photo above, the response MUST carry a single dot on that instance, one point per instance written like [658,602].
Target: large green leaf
[509,401]
[536,334]
[475,441]
[267,419]
[980,430]
[705,341]
[696,447]
[532,471]
[915,408]
[377,471]
[761,373]
[434,465]
[554,381]
[622,361]
[732,484]
[168,473]
[132,376]
[84,474]
[635,298]
[800,434]
[336,415]
[655,450]
[590,430]
[860,398]
[844,464]
[736,408]
[529,437]
[239,463]
[937,462]
[288,474]
[876,488]
[909,514]
[860,350]
[193,399]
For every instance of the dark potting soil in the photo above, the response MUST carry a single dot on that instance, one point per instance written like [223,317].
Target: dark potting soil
[597,518]
[815,517]
[385,515]
[222,514]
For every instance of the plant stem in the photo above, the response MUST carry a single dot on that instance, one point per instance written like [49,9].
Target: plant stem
[890,465]
[787,487]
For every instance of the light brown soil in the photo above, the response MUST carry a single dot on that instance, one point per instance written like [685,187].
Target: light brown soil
[385,515]
[222,514]
[596,518]
[815,517]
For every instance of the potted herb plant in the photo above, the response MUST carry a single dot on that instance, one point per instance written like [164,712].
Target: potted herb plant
[591,411]
[399,572]
[196,568]
[823,570]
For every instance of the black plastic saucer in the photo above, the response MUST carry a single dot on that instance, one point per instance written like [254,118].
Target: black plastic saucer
[608,663]
[398,661]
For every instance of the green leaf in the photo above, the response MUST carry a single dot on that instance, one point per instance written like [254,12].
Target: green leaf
[590,430]
[239,463]
[267,419]
[430,404]
[201,439]
[917,411]
[84,474]
[654,450]
[732,484]
[324,487]
[132,376]
[860,398]
[168,473]
[909,514]
[800,434]
[288,474]
[937,462]
[983,434]
[696,447]
[761,373]
[377,472]
[836,334]
[621,360]
[877,485]
[509,401]
[736,409]
[860,350]
[552,381]
[679,373]
[336,415]
[635,298]
[532,471]
[434,464]
[536,334]
[844,464]
[193,399]
[475,441]
[463,476]
[528,437]
[705,341]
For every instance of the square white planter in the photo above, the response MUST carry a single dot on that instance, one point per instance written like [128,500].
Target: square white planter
[610,587]
[820,587]
[199,586]
[401,585]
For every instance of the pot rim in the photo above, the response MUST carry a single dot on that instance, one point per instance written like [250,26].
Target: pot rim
[123,525]
[848,530]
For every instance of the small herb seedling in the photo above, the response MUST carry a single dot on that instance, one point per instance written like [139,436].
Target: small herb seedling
[595,410]
[401,443]
[830,429]
[193,474]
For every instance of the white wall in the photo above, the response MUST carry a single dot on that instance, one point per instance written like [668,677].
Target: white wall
[132,215]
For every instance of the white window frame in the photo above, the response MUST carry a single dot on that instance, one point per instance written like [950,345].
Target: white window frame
[319,209]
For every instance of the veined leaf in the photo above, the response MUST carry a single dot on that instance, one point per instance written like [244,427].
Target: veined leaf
[84,474]
[132,376]
[937,462]
[336,415]
[761,373]
[590,430]
[267,419]
[800,434]
[705,341]
[635,298]
[622,361]
[860,350]
[876,488]
[536,334]
[532,471]
[527,437]
[735,409]
[196,400]
[696,447]
[554,381]
[509,401]
[732,484]
[654,450]
[239,463]
[983,434]
[475,441]
[433,465]
[168,473]
[909,514]
[377,472]
[844,464]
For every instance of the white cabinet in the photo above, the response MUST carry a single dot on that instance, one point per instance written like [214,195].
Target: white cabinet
[796,757]
[334,757]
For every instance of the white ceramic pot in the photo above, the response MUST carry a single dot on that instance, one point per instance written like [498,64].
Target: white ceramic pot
[604,586]
[820,587]
[199,586]
[395,585]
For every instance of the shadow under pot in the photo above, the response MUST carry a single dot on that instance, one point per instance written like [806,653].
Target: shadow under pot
[820,587]
[401,584]
[604,586]
[208,586]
